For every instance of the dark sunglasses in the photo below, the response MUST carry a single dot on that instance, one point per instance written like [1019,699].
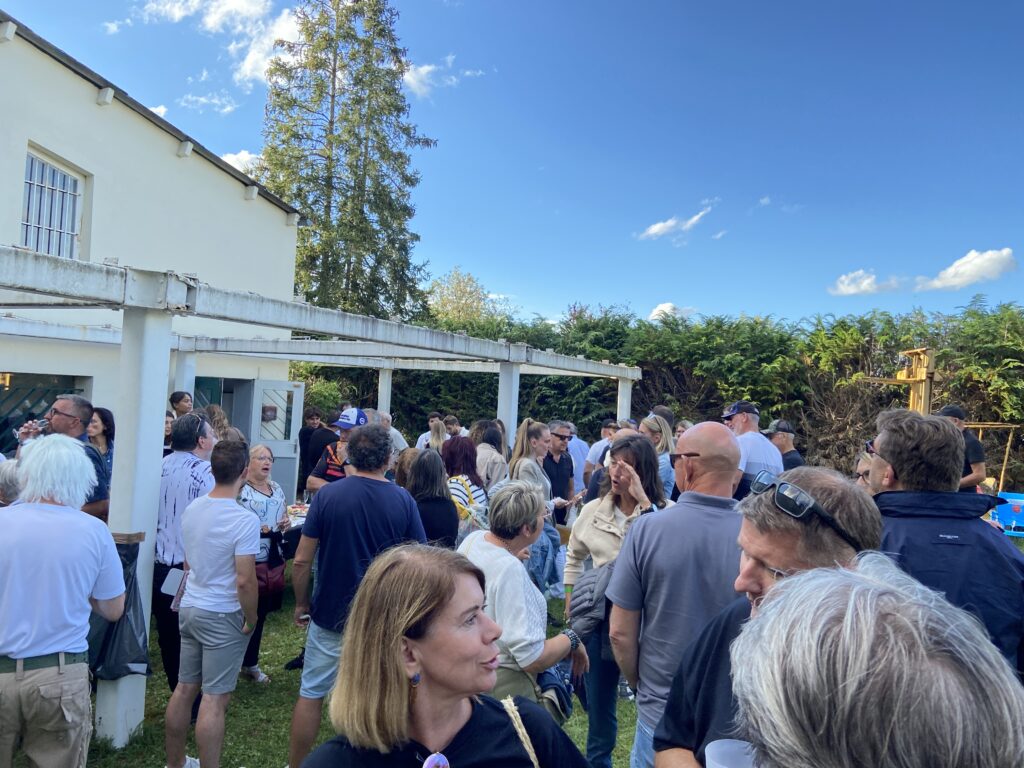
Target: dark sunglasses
[869,446]
[673,457]
[798,503]
[567,438]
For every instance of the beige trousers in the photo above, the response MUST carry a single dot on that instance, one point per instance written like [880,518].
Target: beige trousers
[47,713]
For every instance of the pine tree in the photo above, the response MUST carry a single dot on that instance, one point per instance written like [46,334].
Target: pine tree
[337,146]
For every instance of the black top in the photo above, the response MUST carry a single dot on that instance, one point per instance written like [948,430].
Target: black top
[488,739]
[101,491]
[560,474]
[701,707]
[304,434]
[440,520]
[792,459]
[974,453]
[320,439]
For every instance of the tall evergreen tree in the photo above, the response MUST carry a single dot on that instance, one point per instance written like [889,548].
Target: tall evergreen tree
[337,146]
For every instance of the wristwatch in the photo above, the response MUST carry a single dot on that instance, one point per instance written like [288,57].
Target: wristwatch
[574,639]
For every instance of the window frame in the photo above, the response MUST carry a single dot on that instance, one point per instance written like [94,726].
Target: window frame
[46,181]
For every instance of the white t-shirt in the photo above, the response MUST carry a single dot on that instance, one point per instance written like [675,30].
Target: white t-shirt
[757,452]
[513,602]
[52,560]
[594,454]
[215,532]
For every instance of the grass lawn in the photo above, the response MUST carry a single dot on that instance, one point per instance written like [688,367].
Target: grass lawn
[259,718]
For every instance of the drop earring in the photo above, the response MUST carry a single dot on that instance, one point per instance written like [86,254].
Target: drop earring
[415,681]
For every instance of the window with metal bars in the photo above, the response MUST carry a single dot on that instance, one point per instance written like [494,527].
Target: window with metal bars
[51,213]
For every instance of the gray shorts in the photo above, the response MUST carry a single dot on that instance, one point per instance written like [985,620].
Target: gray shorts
[212,648]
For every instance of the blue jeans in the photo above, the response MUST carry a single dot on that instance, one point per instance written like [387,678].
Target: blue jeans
[642,755]
[602,698]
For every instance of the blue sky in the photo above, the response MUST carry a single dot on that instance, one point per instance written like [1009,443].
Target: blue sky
[785,158]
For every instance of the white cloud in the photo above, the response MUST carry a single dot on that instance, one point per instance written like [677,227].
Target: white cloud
[422,79]
[243,160]
[160,110]
[259,50]
[861,282]
[234,15]
[673,225]
[419,79]
[222,103]
[113,27]
[761,203]
[975,267]
[169,10]
[719,234]
[668,310]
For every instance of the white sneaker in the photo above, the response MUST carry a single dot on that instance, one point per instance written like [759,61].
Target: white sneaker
[190,762]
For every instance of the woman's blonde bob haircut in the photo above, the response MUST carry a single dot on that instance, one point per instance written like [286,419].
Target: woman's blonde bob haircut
[403,591]
[661,428]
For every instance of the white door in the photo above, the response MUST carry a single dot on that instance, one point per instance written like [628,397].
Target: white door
[275,420]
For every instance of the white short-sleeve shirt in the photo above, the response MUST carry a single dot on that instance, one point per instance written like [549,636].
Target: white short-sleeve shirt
[52,560]
[215,532]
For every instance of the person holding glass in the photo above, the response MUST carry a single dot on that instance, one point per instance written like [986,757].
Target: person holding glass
[419,621]
[264,498]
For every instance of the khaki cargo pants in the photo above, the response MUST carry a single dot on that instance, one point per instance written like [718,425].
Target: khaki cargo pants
[48,714]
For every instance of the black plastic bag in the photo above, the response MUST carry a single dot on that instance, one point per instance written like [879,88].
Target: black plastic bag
[121,648]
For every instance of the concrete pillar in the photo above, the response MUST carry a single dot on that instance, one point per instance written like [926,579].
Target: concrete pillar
[508,398]
[384,389]
[145,363]
[184,374]
[625,405]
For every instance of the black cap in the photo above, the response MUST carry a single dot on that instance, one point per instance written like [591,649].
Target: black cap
[953,412]
[740,406]
[610,424]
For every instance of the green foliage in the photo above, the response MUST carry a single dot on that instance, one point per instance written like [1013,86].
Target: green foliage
[337,142]
[812,373]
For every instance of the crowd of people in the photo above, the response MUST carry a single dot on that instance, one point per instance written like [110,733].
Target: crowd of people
[710,576]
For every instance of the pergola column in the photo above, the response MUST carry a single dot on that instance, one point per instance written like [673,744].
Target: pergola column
[384,376]
[185,374]
[625,403]
[135,489]
[508,398]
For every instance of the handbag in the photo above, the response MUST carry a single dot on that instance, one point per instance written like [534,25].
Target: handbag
[520,729]
[270,579]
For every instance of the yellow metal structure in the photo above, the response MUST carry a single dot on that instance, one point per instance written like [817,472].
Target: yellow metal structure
[919,375]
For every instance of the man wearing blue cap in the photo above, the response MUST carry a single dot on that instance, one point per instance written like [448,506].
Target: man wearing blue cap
[334,460]
[756,450]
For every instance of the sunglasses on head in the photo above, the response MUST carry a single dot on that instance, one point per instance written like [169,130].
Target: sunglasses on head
[798,503]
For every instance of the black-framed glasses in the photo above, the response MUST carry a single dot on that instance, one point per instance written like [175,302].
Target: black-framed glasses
[54,410]
[798,503]
[566,438]
[860,476]
[673,457]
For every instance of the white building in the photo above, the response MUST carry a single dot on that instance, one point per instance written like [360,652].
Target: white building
[88,173]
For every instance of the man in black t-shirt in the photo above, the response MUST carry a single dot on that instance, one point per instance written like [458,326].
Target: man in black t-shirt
[782,434]
[701,707]
[559,467]
[974,452]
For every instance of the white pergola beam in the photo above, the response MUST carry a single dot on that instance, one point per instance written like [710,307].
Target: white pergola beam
[115,286]
[310,348]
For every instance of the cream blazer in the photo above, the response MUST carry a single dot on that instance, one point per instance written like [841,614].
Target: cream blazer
[596,535]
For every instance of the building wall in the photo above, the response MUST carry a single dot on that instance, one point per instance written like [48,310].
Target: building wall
[143,205]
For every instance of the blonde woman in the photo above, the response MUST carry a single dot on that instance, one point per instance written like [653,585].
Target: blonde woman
[437,435]
[418,622]
[658,431]
[221,426]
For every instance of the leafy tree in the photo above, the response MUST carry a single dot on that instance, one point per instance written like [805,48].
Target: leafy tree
[337,146]
[458,300]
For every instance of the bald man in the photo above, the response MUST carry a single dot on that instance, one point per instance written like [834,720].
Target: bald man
[675,573]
